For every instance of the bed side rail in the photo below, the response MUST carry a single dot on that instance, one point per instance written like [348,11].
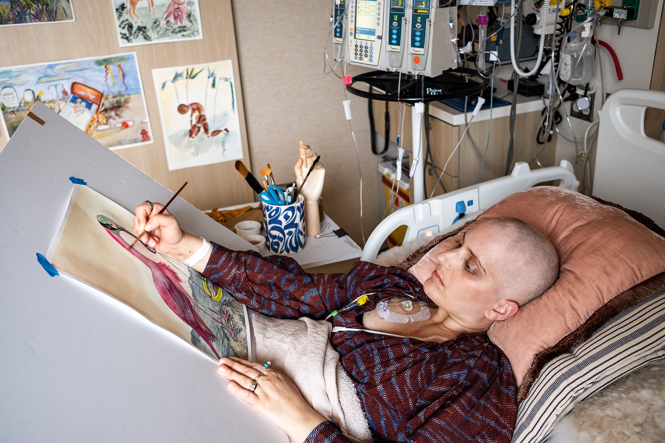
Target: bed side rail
[431,217]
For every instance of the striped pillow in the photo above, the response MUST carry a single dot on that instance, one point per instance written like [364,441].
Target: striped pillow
[631,340]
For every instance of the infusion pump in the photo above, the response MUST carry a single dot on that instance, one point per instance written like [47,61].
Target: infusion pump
[365,32]
[411,36]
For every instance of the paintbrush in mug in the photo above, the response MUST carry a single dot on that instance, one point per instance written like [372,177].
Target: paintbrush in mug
[267,174]
[160,212]
[311,168]
[251,180]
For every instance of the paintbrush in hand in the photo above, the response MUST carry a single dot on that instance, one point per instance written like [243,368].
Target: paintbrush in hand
[251,180]
[160,212]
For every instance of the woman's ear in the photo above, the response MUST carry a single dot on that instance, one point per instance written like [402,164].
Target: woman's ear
[503,310]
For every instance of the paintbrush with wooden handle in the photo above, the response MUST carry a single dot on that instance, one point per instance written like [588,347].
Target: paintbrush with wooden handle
[160,212]
[251,180]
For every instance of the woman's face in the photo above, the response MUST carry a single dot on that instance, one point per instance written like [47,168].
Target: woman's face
[469,279]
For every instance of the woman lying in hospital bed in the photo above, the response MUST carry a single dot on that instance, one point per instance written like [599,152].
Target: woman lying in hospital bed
[413,348]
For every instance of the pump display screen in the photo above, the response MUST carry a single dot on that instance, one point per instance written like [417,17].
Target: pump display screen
[366,20]
[397,3]
[421,7]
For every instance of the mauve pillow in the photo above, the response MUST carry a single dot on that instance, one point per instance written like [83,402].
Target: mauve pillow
[602,253]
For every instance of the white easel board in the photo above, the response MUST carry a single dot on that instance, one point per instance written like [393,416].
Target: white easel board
[76,365]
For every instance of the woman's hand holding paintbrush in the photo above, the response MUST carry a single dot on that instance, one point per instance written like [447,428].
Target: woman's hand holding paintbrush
[162,232]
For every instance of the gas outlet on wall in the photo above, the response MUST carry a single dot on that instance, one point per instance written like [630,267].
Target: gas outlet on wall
[582,108]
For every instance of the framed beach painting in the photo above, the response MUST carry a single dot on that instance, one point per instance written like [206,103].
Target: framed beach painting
[102,96]
[94,246]
[142,22]
[199,114]
[30,12]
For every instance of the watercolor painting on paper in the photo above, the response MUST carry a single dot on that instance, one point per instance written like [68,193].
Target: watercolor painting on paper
[143,22]
[93,246]
[30,12]
[199,114]
[102,96]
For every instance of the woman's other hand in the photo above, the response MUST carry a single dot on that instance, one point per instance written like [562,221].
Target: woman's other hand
[275,396]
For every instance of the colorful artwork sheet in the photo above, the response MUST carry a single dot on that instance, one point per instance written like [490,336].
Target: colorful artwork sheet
[143,22]
[102,96]
[30,12]
[93,246]
[199,113]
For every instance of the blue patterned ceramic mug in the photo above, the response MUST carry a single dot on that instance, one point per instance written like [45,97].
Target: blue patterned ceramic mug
[285,227]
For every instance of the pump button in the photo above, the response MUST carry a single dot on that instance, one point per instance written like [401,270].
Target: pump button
[416,60]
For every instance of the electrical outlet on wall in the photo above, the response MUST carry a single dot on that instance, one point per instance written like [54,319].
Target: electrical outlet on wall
[582,108]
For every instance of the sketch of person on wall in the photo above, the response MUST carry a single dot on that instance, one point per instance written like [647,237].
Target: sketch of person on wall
[198,120]
[176,11]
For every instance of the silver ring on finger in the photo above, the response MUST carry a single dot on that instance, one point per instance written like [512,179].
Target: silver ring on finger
[263,368]
[149,203]
[252,386]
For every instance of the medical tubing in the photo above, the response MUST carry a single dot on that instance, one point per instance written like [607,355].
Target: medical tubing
[502,26]
[617,65]
[489,132]
[452,153]
[453,36]
[543,19]
[516,30]
[482,33]
[326,60]
[473,144]
[360,174]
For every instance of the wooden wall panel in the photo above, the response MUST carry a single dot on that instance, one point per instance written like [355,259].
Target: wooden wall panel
[463,166]
[525,146]
[93,34]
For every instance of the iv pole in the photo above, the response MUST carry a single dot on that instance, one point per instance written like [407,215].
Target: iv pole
[450,84]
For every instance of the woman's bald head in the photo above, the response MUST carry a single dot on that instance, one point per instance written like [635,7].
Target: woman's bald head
[532,263]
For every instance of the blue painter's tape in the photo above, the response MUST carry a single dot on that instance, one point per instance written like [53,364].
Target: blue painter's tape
[48,267]
[77,181]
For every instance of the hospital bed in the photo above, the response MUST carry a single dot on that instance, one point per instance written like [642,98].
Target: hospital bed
[629,169]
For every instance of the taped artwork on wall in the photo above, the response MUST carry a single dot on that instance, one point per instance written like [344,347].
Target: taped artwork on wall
[22,12]
[199,114]
[93,246]
[142,22]
[102,96]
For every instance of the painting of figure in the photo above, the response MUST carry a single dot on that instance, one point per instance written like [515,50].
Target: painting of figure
[142,22]
[28,12]
[199,114]
[94,246]
[102,96]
